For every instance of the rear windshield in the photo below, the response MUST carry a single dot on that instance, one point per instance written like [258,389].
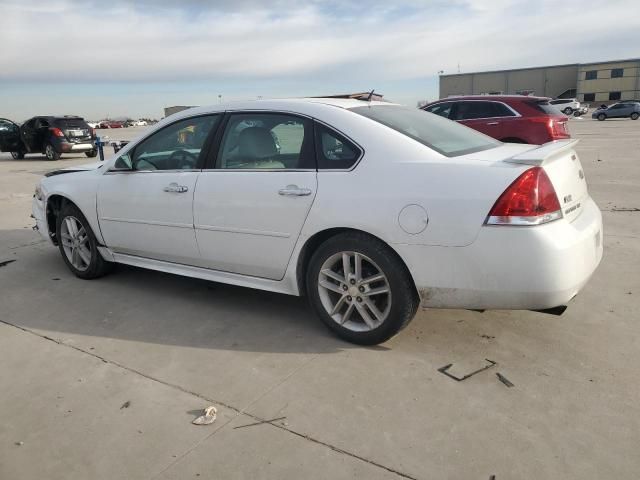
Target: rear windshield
[444,136]
[70,123]
[545,107]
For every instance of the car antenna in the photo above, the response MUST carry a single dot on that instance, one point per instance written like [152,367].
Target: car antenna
[370,95]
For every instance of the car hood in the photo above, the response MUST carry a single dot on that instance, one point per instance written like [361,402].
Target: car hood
[77,168]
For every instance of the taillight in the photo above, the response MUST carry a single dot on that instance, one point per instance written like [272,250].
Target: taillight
[529,200]
[57,132]
[92,131]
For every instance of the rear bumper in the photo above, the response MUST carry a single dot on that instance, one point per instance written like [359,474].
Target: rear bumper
[66,147]
[515,268]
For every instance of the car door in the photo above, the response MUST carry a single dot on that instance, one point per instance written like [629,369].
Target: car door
[28,135]
[251,204]
[9,136]
[145,203]
[479,115]
[616,111]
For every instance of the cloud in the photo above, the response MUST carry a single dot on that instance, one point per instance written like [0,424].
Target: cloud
[196,40]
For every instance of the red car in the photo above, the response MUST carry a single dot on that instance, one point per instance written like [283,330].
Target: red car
[508,118]
[110,124]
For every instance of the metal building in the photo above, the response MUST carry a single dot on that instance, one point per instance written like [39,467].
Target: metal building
[600,82]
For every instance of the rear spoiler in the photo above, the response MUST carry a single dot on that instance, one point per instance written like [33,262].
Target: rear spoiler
[544,153]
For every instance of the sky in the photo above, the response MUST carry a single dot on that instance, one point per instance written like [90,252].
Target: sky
[112,58]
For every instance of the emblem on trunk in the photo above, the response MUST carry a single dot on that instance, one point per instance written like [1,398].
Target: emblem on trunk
[568,198]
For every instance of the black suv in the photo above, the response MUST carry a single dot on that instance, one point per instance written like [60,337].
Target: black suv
[52,136]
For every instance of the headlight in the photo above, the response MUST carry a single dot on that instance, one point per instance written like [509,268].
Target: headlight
[38,193]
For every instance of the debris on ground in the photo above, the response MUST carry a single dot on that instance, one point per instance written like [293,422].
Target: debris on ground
[625,209]
[4,263]
[504,380]
[488,337]
[208,416]
[260,422]
[126,404]
[19,444]
[459,379]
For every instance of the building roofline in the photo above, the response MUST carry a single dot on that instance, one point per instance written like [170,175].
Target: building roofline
[541,66]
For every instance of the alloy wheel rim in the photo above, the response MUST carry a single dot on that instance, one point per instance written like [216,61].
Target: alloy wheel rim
[75,243]
[49,151]
[354,291]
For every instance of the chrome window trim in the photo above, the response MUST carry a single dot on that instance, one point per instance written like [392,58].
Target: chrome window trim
[130,172]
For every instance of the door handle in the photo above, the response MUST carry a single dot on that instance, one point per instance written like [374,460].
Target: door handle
[493,123]
[175,188]
[294,191]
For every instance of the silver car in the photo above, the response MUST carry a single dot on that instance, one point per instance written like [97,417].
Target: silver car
[618,110]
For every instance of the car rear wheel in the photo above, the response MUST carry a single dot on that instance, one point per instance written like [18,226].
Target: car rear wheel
[91,153]
[602,117]
[360,289]
[50,152]
[78,244]
[17,155]
[635,115]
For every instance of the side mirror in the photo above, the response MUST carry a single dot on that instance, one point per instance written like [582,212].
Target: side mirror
[123,164]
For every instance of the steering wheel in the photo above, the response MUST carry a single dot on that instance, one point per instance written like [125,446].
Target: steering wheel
[183,158]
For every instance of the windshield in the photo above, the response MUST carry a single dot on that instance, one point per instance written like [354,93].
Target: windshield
[444,136]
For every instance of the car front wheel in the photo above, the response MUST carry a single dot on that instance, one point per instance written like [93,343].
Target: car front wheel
[91,153]
[568,110]
[50,152]
[78,244]
[360,289]
[602,117]
[635,115]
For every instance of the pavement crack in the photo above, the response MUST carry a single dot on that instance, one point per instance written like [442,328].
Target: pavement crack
[238,411]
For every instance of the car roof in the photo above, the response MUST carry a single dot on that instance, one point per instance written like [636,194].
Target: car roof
[307,106]
[489,98]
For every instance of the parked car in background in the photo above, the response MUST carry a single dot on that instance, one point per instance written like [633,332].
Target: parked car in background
[110,124]
[140,123]
[508,118]
[50,135]
[464,221]
[583,110]
[566,105]
[629,109]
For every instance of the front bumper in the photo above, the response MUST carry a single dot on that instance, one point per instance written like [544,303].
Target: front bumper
[40,216]
[515,268]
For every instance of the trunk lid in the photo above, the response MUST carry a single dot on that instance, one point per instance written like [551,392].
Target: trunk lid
[562,165]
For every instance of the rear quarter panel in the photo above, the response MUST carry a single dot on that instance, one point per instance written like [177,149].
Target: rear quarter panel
[456,193]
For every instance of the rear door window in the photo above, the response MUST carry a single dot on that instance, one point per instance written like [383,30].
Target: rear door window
[473,110]
[267,141]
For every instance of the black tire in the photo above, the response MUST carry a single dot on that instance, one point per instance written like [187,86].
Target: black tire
[568,111]
[635,115]
[98,266]
[17,155]
[50,152]
[404,298]
[91,153]
[602,117]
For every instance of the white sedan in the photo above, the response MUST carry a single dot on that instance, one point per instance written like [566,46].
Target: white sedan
[369,209]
